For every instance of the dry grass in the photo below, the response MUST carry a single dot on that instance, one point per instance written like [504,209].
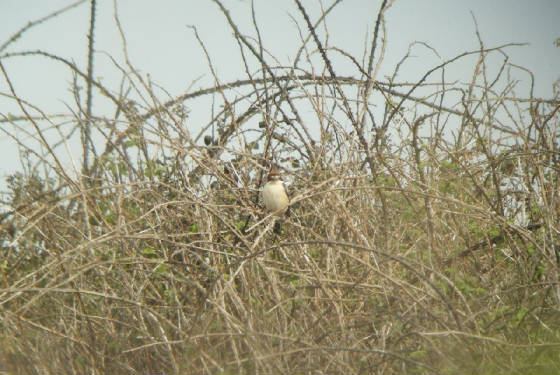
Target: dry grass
[421,237]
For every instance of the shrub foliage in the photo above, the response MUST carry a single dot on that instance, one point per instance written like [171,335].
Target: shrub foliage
[423,230]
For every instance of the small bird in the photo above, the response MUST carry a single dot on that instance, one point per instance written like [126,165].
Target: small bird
[275,197]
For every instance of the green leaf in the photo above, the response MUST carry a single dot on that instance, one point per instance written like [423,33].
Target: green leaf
[149,252]
[520,316]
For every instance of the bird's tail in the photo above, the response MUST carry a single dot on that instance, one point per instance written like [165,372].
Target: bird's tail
[277,227]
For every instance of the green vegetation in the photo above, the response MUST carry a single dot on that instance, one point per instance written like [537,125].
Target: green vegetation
[402,253]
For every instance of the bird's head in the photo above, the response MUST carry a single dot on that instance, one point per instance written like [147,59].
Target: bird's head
[274,175]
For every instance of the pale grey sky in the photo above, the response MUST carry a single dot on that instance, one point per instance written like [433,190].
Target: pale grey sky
[160,43]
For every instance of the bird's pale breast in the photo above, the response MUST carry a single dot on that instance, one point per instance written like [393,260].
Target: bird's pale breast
[274,196]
